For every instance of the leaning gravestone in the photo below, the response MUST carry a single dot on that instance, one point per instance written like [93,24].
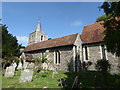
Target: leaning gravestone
[19,66]
[76,82]
[26,76]
[9,71]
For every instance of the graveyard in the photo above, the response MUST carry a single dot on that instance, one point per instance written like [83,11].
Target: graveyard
[82,50]
[46,78]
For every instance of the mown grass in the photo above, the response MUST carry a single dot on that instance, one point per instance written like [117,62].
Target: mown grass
[38,80]
[86,78]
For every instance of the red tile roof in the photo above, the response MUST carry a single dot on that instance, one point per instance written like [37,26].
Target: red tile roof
[93,33]
[62,41]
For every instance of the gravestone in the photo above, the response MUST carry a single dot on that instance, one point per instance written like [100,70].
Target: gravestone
[19,66]
[55,72]
[76,82]
[25,64]
[63,82]
[31,65]
[9,71]
[26,76]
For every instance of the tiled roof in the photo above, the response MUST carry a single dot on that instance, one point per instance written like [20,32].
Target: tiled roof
[93,33]
[62,41]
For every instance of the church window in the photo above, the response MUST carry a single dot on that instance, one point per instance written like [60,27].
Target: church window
[57,57]
[86,53]
[103,52]
[42,38]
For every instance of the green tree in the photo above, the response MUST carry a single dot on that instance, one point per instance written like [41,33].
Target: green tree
[10,47]
[103,18]
[112,26]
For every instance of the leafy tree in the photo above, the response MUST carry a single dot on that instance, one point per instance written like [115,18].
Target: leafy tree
[112,26]
[10,47]
[103,18]
[49,38]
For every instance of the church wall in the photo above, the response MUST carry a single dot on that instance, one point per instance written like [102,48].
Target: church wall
[66,56]
[94,54]
[114,62]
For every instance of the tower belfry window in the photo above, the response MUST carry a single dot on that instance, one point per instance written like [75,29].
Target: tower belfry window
[42,38]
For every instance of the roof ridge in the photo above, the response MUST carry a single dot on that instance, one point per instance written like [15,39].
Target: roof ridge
[93,23]
[55,38]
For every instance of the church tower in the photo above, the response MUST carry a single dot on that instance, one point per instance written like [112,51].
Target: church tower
[37,35]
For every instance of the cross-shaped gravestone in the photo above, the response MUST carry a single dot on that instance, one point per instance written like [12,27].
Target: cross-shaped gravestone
[19,66]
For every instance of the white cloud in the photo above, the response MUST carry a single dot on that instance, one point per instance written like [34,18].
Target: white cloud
[22,40]
[76,23]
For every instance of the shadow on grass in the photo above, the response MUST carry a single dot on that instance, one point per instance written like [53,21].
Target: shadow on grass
[93,80]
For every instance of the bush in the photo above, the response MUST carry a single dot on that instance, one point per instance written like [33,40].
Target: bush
[103,65]
[7,61]
[86,64]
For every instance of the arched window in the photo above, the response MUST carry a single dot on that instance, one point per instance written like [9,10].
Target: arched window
[86,53]
[41,37]
[103,52]
[57,57]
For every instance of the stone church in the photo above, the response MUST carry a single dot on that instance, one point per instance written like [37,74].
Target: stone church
[69,52]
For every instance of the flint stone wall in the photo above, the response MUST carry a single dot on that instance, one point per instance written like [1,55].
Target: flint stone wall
[94,54]
[66,55]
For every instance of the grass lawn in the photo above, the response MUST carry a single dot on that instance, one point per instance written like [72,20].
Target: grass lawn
[86,78]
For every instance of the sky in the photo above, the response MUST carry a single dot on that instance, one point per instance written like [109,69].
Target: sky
[57,18]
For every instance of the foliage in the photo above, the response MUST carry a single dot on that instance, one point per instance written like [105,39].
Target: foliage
[86,65]
[103,65]
[49,38]
[8,60]
[44,58]
[103,18]
[112,26]
[40,60]
[112,33]
[112,8]
[10,47]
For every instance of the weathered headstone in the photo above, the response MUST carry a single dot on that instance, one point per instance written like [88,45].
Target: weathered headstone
[26,76]
[63,82]
[76,82]
[31,65]
[19,66]
[55,72]
[25,64]
[9,71]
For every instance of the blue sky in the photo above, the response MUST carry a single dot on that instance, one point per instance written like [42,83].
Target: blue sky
[58,19]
